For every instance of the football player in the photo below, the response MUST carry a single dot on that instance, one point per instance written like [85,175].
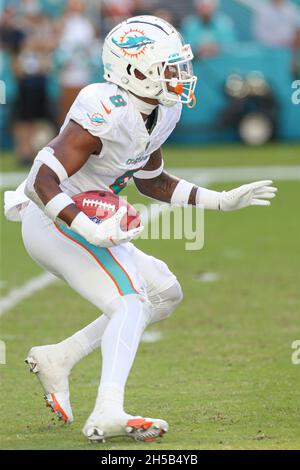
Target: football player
[113,132]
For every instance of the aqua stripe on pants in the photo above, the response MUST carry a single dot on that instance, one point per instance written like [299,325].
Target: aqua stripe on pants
[105,258]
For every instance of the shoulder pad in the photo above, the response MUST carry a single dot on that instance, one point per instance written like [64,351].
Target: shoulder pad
[95,109]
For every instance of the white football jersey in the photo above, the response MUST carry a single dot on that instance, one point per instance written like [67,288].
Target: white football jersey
[106,111]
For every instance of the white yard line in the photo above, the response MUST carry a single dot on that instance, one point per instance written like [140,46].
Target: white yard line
[200,176]
[230,174]
[151,337]
[11,180]
[208,277]
[18,294]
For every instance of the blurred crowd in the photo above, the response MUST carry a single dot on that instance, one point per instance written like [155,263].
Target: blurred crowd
[50,49]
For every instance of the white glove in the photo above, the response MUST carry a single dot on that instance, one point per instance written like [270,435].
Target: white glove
[107,233]
[252,194]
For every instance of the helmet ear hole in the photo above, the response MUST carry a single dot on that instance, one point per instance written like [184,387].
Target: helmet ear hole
[139,75]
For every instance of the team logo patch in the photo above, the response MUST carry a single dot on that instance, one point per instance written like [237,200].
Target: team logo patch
[133,43]
[96,119]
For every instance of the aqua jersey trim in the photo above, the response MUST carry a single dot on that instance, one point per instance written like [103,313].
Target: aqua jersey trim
[105,259]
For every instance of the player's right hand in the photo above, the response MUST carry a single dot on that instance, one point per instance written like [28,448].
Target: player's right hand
[109,232]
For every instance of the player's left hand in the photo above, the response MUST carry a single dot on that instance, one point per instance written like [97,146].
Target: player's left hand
[252,194]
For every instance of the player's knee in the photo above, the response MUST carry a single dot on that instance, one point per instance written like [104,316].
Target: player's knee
[130,303]
[166,302]
[175,294]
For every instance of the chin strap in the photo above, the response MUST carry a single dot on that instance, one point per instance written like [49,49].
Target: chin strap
[194,101]
[142,106]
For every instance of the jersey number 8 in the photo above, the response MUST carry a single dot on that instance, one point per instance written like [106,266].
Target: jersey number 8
[118,101]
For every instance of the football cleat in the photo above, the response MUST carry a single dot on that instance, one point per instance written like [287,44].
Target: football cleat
[47,363]
[146,429]
[101,427]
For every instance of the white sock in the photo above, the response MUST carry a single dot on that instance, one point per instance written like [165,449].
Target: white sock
[89,338]
[119,346]
[85,341]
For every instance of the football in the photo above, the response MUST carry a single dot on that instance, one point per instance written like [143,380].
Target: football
[100,205]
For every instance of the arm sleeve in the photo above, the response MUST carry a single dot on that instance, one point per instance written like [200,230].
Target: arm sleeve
[149,174]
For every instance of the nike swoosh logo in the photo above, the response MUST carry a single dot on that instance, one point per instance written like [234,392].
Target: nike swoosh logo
[108,111]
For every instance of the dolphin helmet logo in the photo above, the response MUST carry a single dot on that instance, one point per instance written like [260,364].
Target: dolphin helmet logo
[133,42]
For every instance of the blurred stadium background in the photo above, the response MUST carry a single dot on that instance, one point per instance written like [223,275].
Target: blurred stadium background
[247,56]
[230,383]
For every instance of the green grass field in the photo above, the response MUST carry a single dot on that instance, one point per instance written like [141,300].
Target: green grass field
[222,374]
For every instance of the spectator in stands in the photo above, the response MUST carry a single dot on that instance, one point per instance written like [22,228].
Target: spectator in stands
[296,56]
[31,64]
[10,42]
[275,23]
[11,35]
[75,54]
[53,8]
[115,11]
[208,31]
[167,15]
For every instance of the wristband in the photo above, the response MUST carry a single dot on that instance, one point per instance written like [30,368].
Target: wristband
[181,194]
[208,199]
[57,204]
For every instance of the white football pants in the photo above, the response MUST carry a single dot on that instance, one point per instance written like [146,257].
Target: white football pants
[100,275]
[130,287]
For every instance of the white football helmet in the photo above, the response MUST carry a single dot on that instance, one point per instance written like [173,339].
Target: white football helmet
[147,56]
